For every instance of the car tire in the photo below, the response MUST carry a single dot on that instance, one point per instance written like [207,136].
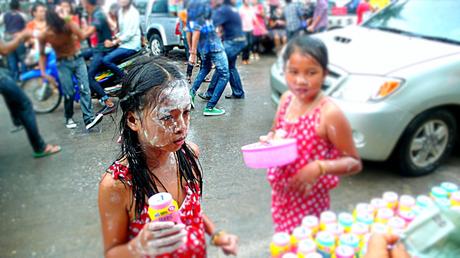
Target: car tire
[427,141]
[156,45]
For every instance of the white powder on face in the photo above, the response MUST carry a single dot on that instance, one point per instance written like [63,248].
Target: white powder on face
[176,97]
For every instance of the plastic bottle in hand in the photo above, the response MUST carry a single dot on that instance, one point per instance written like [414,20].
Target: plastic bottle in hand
[162,207]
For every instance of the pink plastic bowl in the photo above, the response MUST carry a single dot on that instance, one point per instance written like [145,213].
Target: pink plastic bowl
[267,155]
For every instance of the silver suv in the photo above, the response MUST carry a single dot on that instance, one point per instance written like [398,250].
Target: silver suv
[162,28]
[397,79]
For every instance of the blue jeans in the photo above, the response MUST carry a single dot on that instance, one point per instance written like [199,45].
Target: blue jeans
[232,48]
[67,69]
[94,66]
[16,61]
[114,56]
[222,73]
[21,108]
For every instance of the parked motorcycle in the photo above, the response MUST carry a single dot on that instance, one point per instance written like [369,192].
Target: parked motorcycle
[47,95]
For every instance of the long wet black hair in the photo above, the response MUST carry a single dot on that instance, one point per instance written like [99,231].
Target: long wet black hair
[55,22]
[141,88]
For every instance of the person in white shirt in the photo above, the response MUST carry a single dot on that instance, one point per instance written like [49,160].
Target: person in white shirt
[128,38]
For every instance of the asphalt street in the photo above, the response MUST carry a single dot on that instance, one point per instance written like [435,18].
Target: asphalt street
[49,206]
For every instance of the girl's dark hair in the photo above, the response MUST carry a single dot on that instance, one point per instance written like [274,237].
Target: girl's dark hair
[55,22]
[70,4]
[142,87]
[308,46]
[35,7]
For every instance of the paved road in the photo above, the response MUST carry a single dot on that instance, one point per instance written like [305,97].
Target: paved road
[49,206]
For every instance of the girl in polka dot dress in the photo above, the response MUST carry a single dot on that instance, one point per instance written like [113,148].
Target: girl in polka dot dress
[155,157]
[324,140]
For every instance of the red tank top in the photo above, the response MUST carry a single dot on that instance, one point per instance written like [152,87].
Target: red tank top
[190,214]
[288,208]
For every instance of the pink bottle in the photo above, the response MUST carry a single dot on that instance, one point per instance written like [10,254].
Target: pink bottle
[162,207]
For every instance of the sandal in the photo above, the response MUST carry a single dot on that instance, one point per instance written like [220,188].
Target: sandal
[49,150]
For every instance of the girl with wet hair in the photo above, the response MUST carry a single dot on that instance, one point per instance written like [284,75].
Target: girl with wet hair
[155,157]
[324,141]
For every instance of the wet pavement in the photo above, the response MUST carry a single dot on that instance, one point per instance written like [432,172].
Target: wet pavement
[49,205]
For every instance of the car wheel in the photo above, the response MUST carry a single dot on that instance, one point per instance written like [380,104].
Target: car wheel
[156,45]
[428,140]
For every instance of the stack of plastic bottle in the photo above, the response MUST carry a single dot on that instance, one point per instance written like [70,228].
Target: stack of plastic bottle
[345,235]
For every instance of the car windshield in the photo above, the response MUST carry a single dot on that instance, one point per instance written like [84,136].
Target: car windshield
[431,19]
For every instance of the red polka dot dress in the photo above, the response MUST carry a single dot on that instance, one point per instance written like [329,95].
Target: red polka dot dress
[288,207]
[190,214]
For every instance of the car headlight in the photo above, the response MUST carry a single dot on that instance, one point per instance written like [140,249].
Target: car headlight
[363,88]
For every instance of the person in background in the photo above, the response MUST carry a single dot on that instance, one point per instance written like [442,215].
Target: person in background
[14,22]
[204,40]
[273,5]
[248,18]
[37,25]
[127,41]
[277,26]
[260,29]
[18,103]
[38,22]
[226,18]
[112,17]
[61,35]
[100,26]
[319,22]
[363,11]
[324,137]
[66,12]
[293,13]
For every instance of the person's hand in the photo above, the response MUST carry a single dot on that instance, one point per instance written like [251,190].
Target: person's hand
[109,43]
[305,179]
[378,247]
[192,58]
[25,34]
[49,78]
[228,243]
[158,238]
[277,135]
[310,28]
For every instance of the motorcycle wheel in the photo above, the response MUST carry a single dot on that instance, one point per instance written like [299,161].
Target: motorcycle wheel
[45,96]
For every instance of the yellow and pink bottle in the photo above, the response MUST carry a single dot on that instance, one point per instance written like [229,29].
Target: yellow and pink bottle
[312,223]
[346,220]
[326,243]
[327,217]
[343,251]
[306,247]
[299,234]
[281,244]
[455,199]
[162,207]
[350,240]
[391,198]
[449,187]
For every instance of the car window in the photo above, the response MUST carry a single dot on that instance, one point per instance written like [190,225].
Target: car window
[431,19]
[140,6]
[160,6]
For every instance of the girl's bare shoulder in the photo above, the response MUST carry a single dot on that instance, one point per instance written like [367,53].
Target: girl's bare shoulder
[112,182]
[330,110]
